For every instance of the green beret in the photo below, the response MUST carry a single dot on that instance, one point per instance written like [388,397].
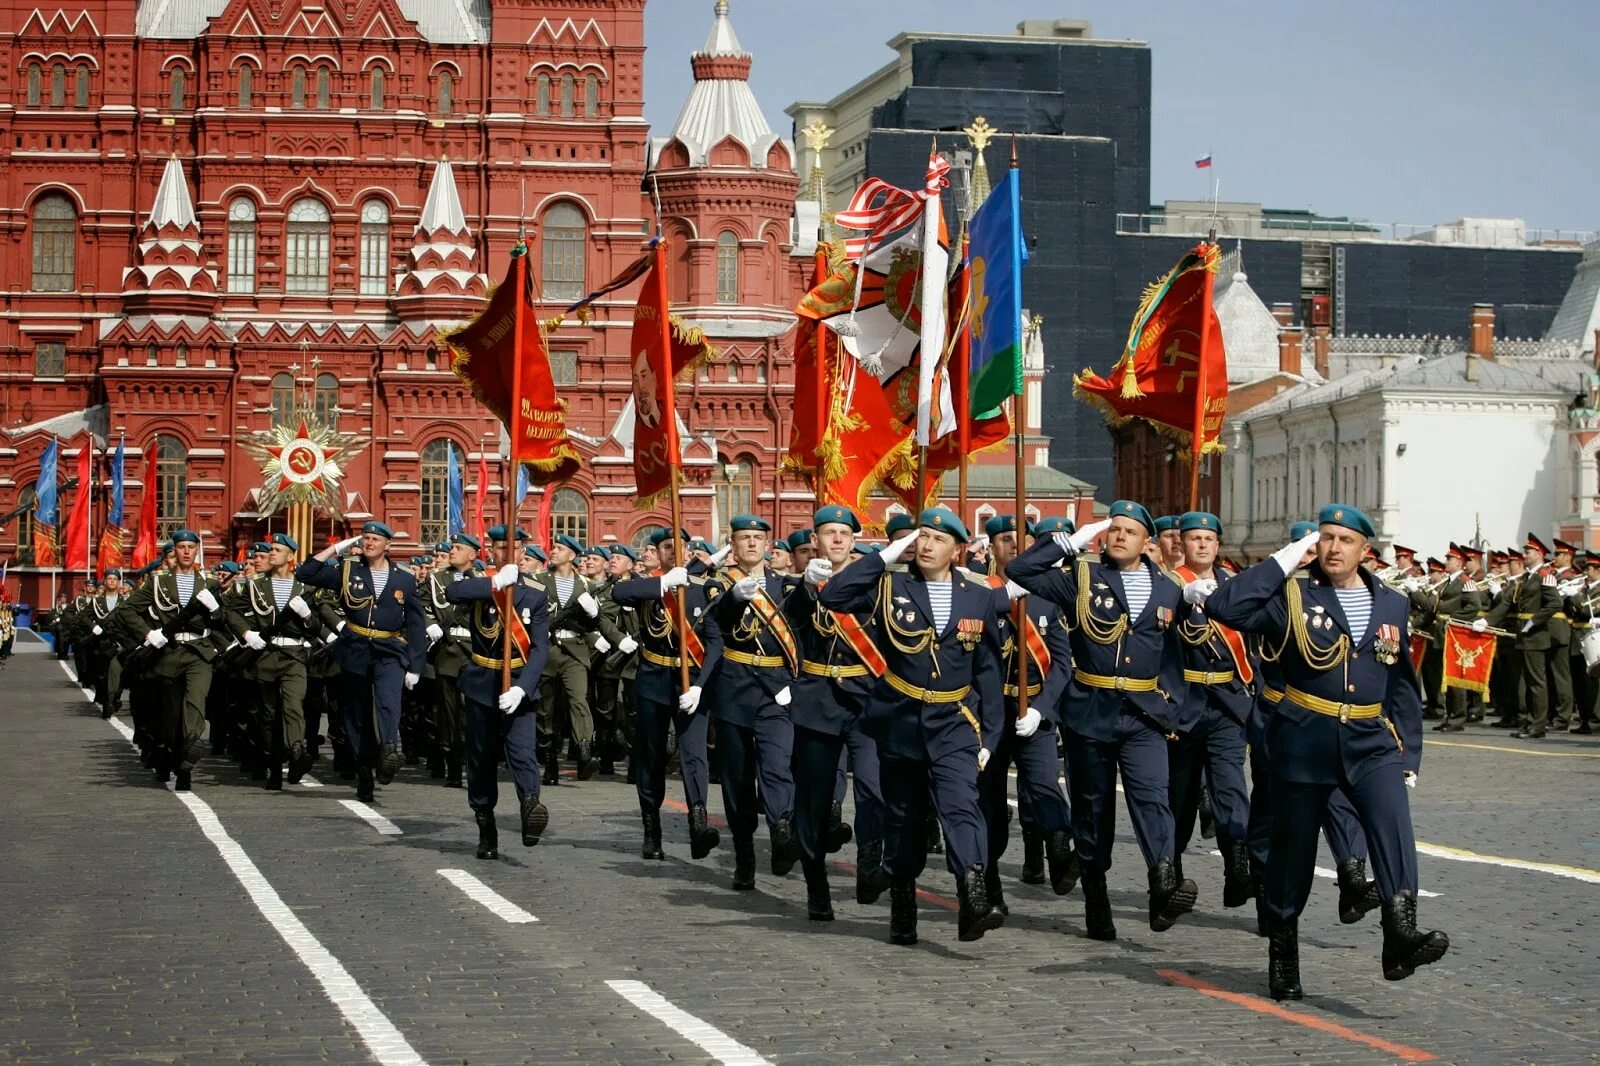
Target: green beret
[659,535]
[570,542]
[744,523]
[379,529]
[1135,511]
[1301,529]
[1352,518]
[1166,522]
[944,520]
[836,515]
[623,549]
[1004,523]
[799,537]
[898,522]
[1046,526]
[1200,520]
[599,551]
[184,536]
[465,541]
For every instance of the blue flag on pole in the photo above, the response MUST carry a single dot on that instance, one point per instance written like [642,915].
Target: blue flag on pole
[114,515]
[522,484]
[456,519]
[44,508]
[997,252]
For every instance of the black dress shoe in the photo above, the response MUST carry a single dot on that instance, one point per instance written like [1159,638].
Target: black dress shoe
[651,848]
[903,913]
[995,893]
[388,763]
[488,835]
[1404,948]
[193,749]
[1524,735]
[299,761]
[1283,962]
[1584,729]
[535,820]
[1171,896]
[1452,729]
[452,772]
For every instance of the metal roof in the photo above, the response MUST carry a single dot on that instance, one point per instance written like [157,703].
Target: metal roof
[439,21]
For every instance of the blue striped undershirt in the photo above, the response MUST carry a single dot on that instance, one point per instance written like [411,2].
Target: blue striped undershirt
[282,589]
[1136,585]
[380,581]
[564,587]
[185,588]
[940,594]
[1357,605]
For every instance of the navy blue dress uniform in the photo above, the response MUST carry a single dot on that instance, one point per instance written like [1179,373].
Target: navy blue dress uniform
[449,652]
[1058,640]
[490,728]
[1350,720]
[750,702]
[657,693]
[1125,701]
[937,717]
[840,668]
[1221,676]
[383,640]
[1036,756]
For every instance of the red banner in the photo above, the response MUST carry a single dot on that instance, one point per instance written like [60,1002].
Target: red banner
[1468,658]
[501,354]
[77,537]
[144,545]
[113,541]
[1173,372]
[1419,651]
[656,449]
[973,435]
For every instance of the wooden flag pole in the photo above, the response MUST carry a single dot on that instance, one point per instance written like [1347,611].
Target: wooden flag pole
[1019,609]
[680,554]
[961,377]
[1198,443]
[508,553]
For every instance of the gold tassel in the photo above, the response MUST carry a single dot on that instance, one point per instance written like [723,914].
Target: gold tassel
[1130,380]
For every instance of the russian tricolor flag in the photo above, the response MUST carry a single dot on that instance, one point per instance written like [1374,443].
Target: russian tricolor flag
[1204,162]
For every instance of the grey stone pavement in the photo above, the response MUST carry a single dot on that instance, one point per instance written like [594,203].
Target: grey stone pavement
[126,938]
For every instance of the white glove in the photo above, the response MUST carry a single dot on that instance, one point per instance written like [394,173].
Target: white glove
[1527,627]
[97,631]
[983,758]
[511,699]
[627,645]
[435,633]
[602,645]
[1571,587]
[1196,591]
[689,702]
[1494,587]
[1480,625]
[893,552]
[746,588]
[1014,590]
[1085,536]
[346,544]
[506,576]
[156,639]
[1028,724]
[818,572]
[205,597]
[676,578]
[299,606]
[411,680]
[590,605]
[717,557]
[784,697]
[1288,557]
[331,637]
[1410,779]
[253,641]
[1413,584]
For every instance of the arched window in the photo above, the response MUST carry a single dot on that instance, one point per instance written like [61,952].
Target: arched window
[242,244]
[35,84]
[565,234]
[305,248]
[641,539]
[375,95]
[181,355]
[247,87]
[447,89]
[761,372]
[282,398]
[325,403]
[569,515]
[152,355]
[727,267]
[541,96]
[374,248]
[435,515]
[172,485]
[591,95]
[58,86]
[567,89]
[733,372]
[734,494]
[55,243]
[81,95]
[30,493]
[297,88]
[179,83]
[324,85]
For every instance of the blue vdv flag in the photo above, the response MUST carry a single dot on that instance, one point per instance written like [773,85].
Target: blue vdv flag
[114,515]
[456,519]
[523,484]
[996,252]
[44,508]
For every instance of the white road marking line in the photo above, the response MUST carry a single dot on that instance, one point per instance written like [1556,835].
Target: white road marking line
[1332,875]
[714,1042]
[310,782]
[372,818]
[479,892]
[1577,873]
[383,1040]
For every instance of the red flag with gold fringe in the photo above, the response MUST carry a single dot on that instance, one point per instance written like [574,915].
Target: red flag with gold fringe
[656,448]
[1468,658]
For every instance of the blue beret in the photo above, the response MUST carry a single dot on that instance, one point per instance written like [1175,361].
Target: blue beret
[780,545]
[1342,514]
[659,535]
[286,541]
[1004,523]
[260,546]
[477,564]
[1302,529]
[698,545]
[744,523]
[799,537]
[113,572]
[379,529]
[945,521]
[1200,520]
[569,542]
[1135,511]
[898,522]
[1046,526]
[623,549]
[836,515]
[599,551]
[465,541]
[418,560]
[536,552]
[442,546]
[185,536]
[1166,522]
[498,532]
[228,566]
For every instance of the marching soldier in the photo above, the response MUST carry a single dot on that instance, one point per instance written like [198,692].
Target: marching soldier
[1350,720]
[801,550]
[1584,607]
[1532,604]
[1457,600]
[500,717]
[450,649]
[1124,704]
[381,648]
[1562,644]
[104,647]
[940,716]
[613,675]
[1169,542]
[564,684]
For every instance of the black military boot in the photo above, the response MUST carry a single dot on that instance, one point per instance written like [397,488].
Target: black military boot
[839,834]
[1097,920]
[1357,895]
[183,783]
[488,836]
[436,765]
[1262,921]
[872,880]
[452,771]
[550,757]
[703,839]
[588,765]
[1237,884]
[785,848]
[1064,867]
[935,835]
[388,763]
[193,749]
[744,863]
[602,748]
[364,790]
[1283,961]
[275,777]
[819,904]
[995,893]
[1208,820]
[1032,856]
[1170,897]
[903,913]
[1404,948]
[535,820]
[299,761]
[976,916]
[651,849]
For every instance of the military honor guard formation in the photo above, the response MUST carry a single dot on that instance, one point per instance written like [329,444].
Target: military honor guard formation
[909,674]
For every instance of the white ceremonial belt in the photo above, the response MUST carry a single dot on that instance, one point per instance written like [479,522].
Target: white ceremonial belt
[565,634]
[460,631]
[288,642]
[184,638]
